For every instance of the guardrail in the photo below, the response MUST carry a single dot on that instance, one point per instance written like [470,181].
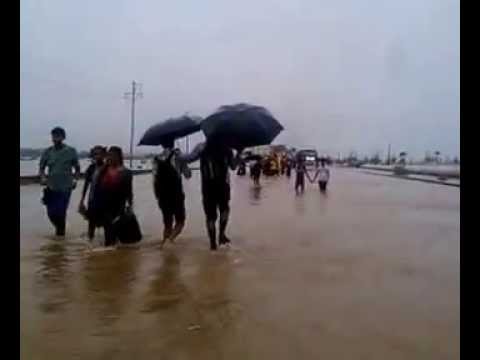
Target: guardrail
[407,171]
[35,179]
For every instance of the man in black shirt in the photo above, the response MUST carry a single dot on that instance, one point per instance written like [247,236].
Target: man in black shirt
[215,162]
[168,168]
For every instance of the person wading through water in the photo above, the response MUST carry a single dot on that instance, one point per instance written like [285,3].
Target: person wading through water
[300,170]
[168,168]
[255,172]
[97,154]
[60,159]
[323,176]
[215,162]
[112,194]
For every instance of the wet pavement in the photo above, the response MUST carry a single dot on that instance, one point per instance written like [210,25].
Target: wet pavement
[368,271]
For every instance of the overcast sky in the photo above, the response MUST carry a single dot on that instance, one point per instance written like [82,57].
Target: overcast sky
[339,75]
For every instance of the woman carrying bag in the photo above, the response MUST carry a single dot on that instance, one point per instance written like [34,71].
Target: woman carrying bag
[112,199]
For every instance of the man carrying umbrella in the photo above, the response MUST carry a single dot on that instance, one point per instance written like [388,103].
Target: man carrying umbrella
[168,168]
[216,160]
[231,127]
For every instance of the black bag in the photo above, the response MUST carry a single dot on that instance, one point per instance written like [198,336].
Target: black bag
[127,229]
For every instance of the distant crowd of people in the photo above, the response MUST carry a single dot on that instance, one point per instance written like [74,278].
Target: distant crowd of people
[278,165]
[107,193]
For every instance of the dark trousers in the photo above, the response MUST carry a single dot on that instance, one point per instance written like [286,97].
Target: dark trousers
[109,228]
[91,230]
[322,185]
[57,205]
[111,237]
[300,181]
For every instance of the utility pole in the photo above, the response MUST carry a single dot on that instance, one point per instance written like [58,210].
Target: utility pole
[388,156]
[133,95]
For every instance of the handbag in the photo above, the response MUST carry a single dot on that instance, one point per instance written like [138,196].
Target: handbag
[127,228]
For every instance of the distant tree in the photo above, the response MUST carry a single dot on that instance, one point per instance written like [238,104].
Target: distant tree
[437,156]
[456,160]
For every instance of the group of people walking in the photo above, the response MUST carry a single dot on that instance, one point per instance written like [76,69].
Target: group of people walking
[108,184]
[169,167]
[110,194]
[322,175]
[275,166]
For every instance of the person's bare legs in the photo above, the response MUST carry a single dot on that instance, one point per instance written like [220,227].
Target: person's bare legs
[212,234]
[91,231]
[179,217]
[177,229]
[223,239]
[167,231]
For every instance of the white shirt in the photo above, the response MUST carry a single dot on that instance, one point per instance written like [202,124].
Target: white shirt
[323,174]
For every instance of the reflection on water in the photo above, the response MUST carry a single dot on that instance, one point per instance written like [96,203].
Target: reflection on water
[300,201]
[214,296]
[109,278]
[166,290]
[255,194]
[53,275]
[54,262]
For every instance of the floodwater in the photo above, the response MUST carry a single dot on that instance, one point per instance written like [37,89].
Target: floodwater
[368,271]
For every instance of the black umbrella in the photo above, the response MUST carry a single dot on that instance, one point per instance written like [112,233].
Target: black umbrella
[241,126]
[170,130]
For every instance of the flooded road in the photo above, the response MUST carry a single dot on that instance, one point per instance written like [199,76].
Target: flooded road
[369,271]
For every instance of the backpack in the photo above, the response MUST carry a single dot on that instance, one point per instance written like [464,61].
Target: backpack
[167,180]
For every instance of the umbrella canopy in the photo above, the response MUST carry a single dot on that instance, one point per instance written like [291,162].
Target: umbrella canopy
[171,129]
[241,126]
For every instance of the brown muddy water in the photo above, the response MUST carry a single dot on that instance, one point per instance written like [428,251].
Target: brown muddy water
[369,271]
